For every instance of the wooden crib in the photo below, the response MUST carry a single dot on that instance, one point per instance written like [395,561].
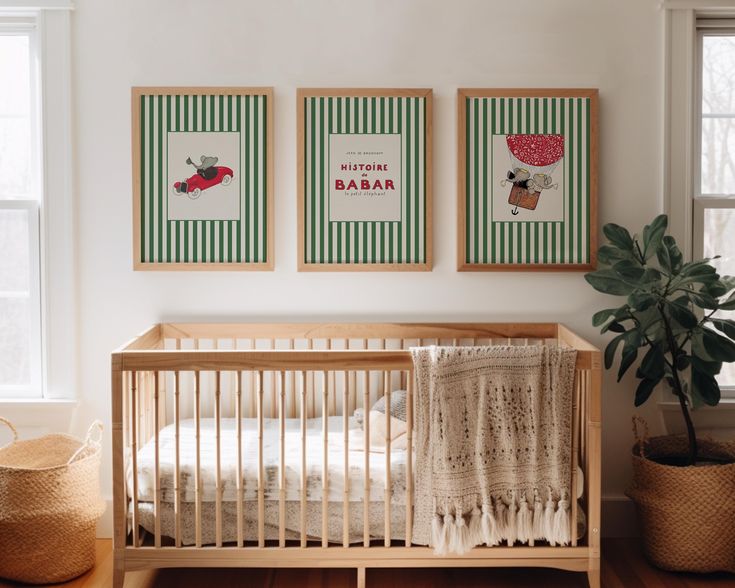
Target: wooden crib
[191,384]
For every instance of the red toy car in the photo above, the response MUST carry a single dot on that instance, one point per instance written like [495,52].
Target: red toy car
[193,186]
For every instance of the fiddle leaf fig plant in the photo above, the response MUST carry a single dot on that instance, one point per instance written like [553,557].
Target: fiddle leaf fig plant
[668,318]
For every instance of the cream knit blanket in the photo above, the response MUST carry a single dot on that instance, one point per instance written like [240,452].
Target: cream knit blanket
[493,445]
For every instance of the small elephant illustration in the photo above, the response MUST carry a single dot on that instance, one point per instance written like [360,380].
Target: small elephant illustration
[540,182]
[518,176]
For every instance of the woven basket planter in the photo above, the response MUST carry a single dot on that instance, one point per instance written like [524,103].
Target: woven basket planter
[686,514]
[49,506]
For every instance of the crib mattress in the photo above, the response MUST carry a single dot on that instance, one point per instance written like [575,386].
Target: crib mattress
[271,460]
[335,511]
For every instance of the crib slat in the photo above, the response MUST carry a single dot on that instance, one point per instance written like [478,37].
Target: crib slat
[261,473]
[409,457]
[156,464]
[134,453]
[346,505]
[198,471]
[271,412]
[292,393]
[303,459]
[177,458]
[218,470]
[312,412]
[578,389]
[325,464]
[366,481]
[282,464]
[126,445]
[332,385]
[386,499]
[253,393]
[238,425]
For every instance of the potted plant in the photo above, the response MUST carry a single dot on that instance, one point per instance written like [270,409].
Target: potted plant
[683,486]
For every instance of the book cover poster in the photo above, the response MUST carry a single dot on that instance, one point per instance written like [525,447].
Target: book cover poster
[364,179]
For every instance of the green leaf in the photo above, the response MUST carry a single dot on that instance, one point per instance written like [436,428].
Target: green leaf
[616,327]
[609,254]
[682,315]
[644,390]
[627,358]
[608,282]
[630,271]
[601,317]
[698,348]
[708,367]
[705,387]
[729,304]
[618,236]
[653,235]
[675,254]
[610,350]
[683,361]
[641,300]
[727,326]
[664,257]
[653,364]
[718,347]
[631,343]
[703,300]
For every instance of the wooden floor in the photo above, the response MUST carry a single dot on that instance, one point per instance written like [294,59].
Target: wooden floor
[623,566]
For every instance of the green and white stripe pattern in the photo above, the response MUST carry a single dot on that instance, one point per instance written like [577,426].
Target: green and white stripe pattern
[203,241]
[341,242]
[563,242]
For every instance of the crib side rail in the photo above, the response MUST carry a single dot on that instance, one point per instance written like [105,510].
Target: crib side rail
[282,381]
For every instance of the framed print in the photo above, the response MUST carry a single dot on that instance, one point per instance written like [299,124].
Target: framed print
[527,179]
[202,178]
[364,179]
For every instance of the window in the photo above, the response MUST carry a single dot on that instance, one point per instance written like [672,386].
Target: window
[714,166]
[20,208]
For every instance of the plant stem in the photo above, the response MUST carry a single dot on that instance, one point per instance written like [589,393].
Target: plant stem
[679,389]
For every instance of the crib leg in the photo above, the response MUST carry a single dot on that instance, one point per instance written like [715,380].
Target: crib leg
[593,575]
[118,577]
[360,577]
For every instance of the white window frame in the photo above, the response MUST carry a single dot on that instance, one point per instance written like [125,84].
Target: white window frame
[55,226]
[26,25]
[682,154]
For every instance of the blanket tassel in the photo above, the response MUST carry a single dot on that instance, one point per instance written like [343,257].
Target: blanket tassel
[459,539]
[437,535]
[538,516]
[501,517]
[561,521]
[489,526]
[511,530]
[549,520]
[475,527]
[525,521]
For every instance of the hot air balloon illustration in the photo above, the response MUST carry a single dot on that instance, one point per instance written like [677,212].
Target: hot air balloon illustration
[533,159]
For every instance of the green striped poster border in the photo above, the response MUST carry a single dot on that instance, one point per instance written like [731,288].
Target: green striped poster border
[161,243]
[364,245]
[485,244]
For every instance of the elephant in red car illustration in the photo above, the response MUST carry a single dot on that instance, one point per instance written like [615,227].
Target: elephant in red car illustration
[208,174]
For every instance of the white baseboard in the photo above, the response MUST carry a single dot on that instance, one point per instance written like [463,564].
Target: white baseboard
[618,518]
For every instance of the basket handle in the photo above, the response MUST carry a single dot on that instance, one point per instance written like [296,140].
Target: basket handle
[640,432]
[5,421]
[93,439]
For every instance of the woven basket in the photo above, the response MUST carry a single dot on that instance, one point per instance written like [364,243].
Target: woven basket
[686,514]
[49,506]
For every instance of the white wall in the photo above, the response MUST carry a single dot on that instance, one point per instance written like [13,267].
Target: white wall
[615,45]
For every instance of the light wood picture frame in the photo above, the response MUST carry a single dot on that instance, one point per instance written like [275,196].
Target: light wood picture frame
[364,176]
[202,178]
[527,179]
